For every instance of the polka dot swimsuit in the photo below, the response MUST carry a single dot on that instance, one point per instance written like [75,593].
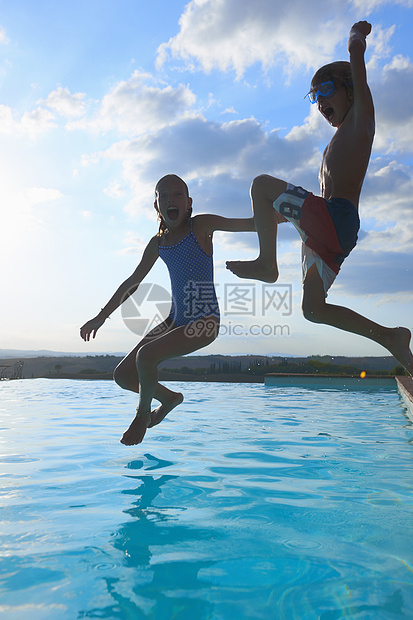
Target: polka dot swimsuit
[192,280]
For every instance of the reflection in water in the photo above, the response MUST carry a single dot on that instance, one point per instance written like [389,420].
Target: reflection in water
[276,562]
[291,504]
[161,583]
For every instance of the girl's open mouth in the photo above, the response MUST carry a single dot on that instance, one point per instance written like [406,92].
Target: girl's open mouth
[172,213]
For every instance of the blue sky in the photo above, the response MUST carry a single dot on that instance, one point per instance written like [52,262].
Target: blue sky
[99,99]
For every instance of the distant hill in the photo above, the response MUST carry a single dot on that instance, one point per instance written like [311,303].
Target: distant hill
[71,365]
[44,366]
[22,353]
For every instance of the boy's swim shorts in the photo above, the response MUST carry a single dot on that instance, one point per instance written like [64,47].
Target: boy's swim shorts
[328,229]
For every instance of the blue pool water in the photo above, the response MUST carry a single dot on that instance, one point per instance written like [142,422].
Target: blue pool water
[249,502]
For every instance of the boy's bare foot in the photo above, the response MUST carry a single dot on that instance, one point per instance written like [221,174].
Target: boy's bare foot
[160,412]
[136,431]
[399,347]
[253,269]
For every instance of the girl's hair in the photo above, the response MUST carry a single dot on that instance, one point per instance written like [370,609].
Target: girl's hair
[339,71]
[162,226]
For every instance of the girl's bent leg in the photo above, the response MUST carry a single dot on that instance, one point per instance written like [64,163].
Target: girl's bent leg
[179,341]
[126,372]
[265,190]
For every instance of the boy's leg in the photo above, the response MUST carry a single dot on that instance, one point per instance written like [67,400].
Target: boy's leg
[176,342]
[264,191]
[395,339]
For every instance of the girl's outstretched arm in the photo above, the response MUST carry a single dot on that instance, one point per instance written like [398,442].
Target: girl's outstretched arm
[125,290]
[229,224]
[210,223]
[205,225]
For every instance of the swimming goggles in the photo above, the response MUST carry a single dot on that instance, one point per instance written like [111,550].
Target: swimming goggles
[326,89]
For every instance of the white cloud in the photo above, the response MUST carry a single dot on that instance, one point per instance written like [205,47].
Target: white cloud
[114,190]
[235,34]
[7,123]
[36,122]
[225,154]
[64,103]
[152,127]
[219,175]
[41,195]
[219,161]
[398,238]
[141,105]
[230,110]
[386,210]
[31,123]
[134,244]
[392,87]
[3,36]
[379,43]
[367,273]
[25,215]
[365,7]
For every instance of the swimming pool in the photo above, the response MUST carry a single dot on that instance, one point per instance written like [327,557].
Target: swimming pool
[249,502]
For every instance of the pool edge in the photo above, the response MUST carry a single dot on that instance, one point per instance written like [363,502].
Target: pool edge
[405,385]
[320,380]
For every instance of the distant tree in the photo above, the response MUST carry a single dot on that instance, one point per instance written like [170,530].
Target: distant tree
[399,371]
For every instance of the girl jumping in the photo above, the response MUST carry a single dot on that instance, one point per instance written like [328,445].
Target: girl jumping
[184,243]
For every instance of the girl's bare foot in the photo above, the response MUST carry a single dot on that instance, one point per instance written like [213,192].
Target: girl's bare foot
[136,431]
[254,269]
[160,412]
[399,347]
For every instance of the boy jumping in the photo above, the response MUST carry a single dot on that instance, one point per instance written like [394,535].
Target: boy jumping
[328,225]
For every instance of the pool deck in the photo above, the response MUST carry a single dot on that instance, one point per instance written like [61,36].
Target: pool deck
[405,385]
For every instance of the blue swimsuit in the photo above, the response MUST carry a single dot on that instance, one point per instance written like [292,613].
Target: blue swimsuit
[192,280]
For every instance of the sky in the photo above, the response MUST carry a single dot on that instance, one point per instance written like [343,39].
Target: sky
[101,98]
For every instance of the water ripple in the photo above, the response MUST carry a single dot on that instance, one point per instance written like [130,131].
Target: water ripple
[246,502]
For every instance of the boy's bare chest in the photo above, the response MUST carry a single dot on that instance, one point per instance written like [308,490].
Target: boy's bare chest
[332,166]
[338,150]
[351,145]
[344,165]
[344,162]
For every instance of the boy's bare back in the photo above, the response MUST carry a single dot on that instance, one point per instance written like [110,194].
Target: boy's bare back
[346,157]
